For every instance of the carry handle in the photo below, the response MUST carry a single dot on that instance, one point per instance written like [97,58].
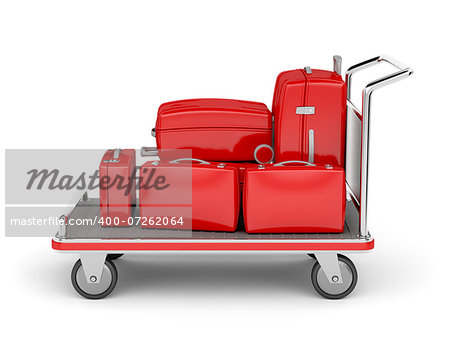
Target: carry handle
[189,159]
[116,153]
[255,153]
[307,164]
[149,151]
[337,64]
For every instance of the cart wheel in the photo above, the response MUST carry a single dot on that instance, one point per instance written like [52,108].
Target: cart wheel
[335,291]
[312,256]
[99,290]
[113,257]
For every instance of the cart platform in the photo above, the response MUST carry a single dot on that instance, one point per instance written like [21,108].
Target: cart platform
[94,236]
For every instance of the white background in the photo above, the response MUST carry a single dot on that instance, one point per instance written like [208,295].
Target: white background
[91,74]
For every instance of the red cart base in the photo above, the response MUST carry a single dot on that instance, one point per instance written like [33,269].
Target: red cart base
[204,245]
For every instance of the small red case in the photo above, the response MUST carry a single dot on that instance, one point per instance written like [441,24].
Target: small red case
[117,200]
[294,199]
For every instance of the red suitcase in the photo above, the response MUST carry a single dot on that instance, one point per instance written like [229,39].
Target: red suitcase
[117,186]
[309,107]
[210,189]
[294,199]
[214,129]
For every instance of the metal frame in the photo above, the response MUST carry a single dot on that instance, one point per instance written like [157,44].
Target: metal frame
[93,261]
[93,265]
[402,73]
[93,251]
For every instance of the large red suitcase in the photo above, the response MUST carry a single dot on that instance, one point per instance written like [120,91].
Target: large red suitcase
[309,107]
[214,129]
[294,199]
[211,189]
[117,186]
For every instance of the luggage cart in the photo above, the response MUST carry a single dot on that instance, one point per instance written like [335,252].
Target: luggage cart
[333,275]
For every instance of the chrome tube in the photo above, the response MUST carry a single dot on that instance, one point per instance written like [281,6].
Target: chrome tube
[403,73]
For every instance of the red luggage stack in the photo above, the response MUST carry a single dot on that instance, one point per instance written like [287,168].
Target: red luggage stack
[210,189]
[309,116]
[294,199]
[214,129]
[117,186]
[309,107]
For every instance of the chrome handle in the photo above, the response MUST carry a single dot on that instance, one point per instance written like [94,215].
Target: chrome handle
[402,73]
[116,154]
[337,64]
[149,151]
[256,152]
[281,164]
[311,146]
[189,159]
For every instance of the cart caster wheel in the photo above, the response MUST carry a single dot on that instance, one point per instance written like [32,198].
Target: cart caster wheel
[312,256]
[335,291]
[113,257]
[99,290]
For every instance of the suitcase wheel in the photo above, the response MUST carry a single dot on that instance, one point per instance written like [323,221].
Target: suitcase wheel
[335,290]
[99,290]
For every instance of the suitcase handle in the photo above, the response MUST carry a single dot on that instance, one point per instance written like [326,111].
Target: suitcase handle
[149,151]
[307,164]
[189,159]
[116,153]
[255,153]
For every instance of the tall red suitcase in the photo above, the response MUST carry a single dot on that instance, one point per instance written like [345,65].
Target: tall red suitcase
[210,189]
[117,186]
[294,199]
[309,108]
[214,129]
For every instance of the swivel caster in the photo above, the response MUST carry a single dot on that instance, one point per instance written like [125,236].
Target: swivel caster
[95,289]
[335,290]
